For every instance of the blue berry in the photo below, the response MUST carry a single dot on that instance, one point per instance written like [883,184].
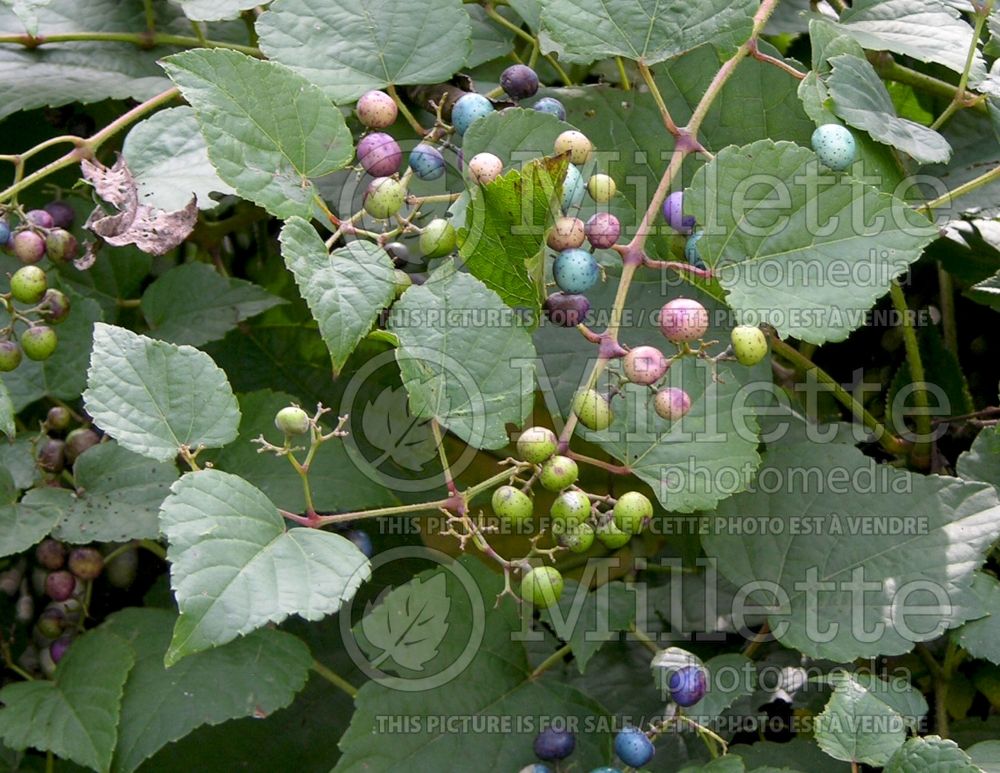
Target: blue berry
[834,145]
[519,81]
[468,109]
[553,744]
[605,770]
[4,232]
[551,106]
[535,767]
[691,250]
[573,189]
[633,747]
[426,162]
[687,685]
[575,271]
[362,541]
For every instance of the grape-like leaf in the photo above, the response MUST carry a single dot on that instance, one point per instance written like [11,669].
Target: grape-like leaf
[981,638]
[22,524]
[350,46]
[6,413]
[215,10]
[269,131]
[930,754]
[390,427]
[856,726]
[234,567]
[154,397]
[409,623]
[75,716]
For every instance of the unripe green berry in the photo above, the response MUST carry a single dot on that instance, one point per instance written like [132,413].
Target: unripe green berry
[122,570]
[536,444]
[438,238]
[601,188]
[512,504]
[292,420]
[611,536]
[592,409]
[749,344]
[51,622]
[542,586]
[10,356]
[569,509]
[576,144]
[578,539]
[631,511]
[403,282]
[39,342]
[384,197]
[558,473]
[28,284]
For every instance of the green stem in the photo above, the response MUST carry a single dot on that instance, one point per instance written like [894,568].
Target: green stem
[509,25]
[625,83]
[410,118]
[357,515]
[141,39]
[978,182]
[50,762]
[647,76]
[959,99]
[552,660]
[888,69]
[11,666]
[150,15]
[921,448]
[335,679]
[648,643]
[946,290]
[886,439]
[153,547]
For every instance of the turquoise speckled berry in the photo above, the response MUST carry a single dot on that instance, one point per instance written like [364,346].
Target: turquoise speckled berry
[426,162]
[468,109]
[834,145]
[575,271]
[573,189]
[551,106]
[633,747]
[691,250]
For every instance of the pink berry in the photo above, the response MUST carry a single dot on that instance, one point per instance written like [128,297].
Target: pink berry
[59,585]
[28,246]
[379,154]
[683,319]
[603,230]
[39,217]
[645,365]
[671,403]
[376,109]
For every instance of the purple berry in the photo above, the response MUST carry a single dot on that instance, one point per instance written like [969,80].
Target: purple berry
[28,246]
[553,744]
[399,253]
[59,585]
[566,309]
[62,214]
[51,554]
[687,685]
[379,154]
[78,441]
[52,456]
[603,230]
[58,648]
[673,213]
[54,307]
[519,81]
[61,245]
[86,563]
[376,109]
[39,217]
[58,418]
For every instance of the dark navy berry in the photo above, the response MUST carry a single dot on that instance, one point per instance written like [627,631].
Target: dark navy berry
[553,744]
[62,214]
[426,162]
[566,309]
[834,145]
[687,685]
[362,541]
[399,253]
[633,747]
[469,108]
[519,81]
[551,106]
[575,271]
[4,232]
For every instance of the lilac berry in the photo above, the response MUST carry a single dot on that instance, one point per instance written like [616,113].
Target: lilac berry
[376,109]
[379,154]
[39,217]
[62,214]
[671,403]
[59,585]
[673,213]
[58,648]
[603,230]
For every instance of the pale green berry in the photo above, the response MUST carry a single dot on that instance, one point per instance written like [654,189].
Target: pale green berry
[512,504]
[384,197]
[631,511]
[402,281]
[749,344]
[542,586]
[292,420]
[569,509]
[576,144]
[558,473]
[578,539]
[611,536]
[601,188]
[536,444]
[592,409]
[438,238]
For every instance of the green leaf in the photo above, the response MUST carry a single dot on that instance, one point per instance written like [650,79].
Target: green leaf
[650,31]
[345,291]
[901,26]
[25,523]
[409,624]
[75,716]
[588,624]
[63,375]
[930,754]
[6,413]
[981,638]
[215,10]
[193,304]
[502,242]
[986,755]
[861,99]
[797,754]
[117,496]
[812,283]
[489,40]
[350,46]
[154,397]
[465,358]
[856,726]
[982,460]
[234,567]
[168,158]
[119,274]
[19,460]
[252,676]
[269,131]
[986,292]
[899,533]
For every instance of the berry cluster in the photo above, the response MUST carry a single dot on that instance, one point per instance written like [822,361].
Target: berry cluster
[40,233]
[632,745]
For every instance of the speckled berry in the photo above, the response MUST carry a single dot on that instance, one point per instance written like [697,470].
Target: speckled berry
[834,145]
[39,217]
[554,744]
[611,536]
[633,747]
[601,188]
[402,282]
[603,230]
[749,344]
[578,538]
[519,81]
[566,233]
[376,109]
[28,284]
[568,509]
[573,189]
[512,504]
[535,767]
[51,554]
[566,309]
[384,197]
[683,319]
[379,154]
[292,420]
[631,512]
[484,168]
[542,586]
[671,403]
[644,365]
[10,356]
[687,685]
[558,473]
[28,246]
[592,409]
[673,213]
[469,109]
[86,563]
[551,106]
[62,214]
[576,145]
[60,245]
[39,342]
[54,307]
[575,271]
[438,238]
[537,444]
[426,162]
